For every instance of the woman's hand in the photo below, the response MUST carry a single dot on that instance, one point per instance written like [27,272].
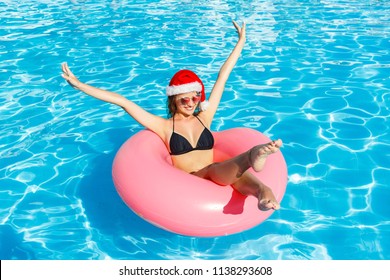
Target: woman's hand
[69,77]
[240,30]
[223,75]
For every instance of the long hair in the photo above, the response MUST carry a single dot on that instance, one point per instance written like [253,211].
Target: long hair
[171,106]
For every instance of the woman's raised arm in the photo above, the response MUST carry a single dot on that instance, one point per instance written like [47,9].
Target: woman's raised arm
[224,72]
[150,121]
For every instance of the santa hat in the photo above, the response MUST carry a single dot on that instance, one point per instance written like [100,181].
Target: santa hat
[186,81]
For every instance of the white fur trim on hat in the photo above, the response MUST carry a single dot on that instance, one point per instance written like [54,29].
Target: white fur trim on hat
[204,105]
[184,88]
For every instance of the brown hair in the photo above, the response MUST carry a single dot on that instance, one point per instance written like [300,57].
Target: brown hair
[171,106]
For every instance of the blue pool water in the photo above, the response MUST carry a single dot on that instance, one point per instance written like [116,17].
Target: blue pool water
[313,72]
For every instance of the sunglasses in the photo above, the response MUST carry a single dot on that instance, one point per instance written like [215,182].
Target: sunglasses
[186,100]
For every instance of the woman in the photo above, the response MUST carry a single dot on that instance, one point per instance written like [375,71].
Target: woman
[187,132]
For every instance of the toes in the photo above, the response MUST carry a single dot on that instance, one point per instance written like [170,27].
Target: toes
[276,206]
[275,145]
[278,143]
[265,150]
[268,204]
[265,204]
[268,149]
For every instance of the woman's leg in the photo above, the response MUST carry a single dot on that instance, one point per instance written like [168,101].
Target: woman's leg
[234,172]
[230,171]
[249,184]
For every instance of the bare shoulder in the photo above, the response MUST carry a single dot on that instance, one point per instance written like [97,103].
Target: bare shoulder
[162,127]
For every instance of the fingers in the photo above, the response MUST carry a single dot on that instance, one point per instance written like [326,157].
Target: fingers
[240,30]
[69,76]
[238,27]
[66,73]
[64,67]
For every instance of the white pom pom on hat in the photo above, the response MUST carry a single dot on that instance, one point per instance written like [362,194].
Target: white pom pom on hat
[186,81]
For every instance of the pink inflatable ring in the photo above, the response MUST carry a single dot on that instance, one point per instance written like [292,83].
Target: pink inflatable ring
[183,203]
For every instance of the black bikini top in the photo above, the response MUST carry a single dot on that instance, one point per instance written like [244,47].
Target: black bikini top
[179,145]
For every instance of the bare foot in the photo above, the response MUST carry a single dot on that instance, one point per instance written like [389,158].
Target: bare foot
[267,200]
[258,154]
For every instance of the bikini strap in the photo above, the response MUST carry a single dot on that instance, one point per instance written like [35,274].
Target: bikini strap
[200,121]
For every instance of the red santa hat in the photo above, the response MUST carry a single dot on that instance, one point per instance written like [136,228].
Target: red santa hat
[186,81]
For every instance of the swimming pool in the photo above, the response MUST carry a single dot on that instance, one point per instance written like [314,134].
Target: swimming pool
[314,73]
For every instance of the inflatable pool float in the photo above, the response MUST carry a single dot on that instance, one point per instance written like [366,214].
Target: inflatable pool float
[183,203]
